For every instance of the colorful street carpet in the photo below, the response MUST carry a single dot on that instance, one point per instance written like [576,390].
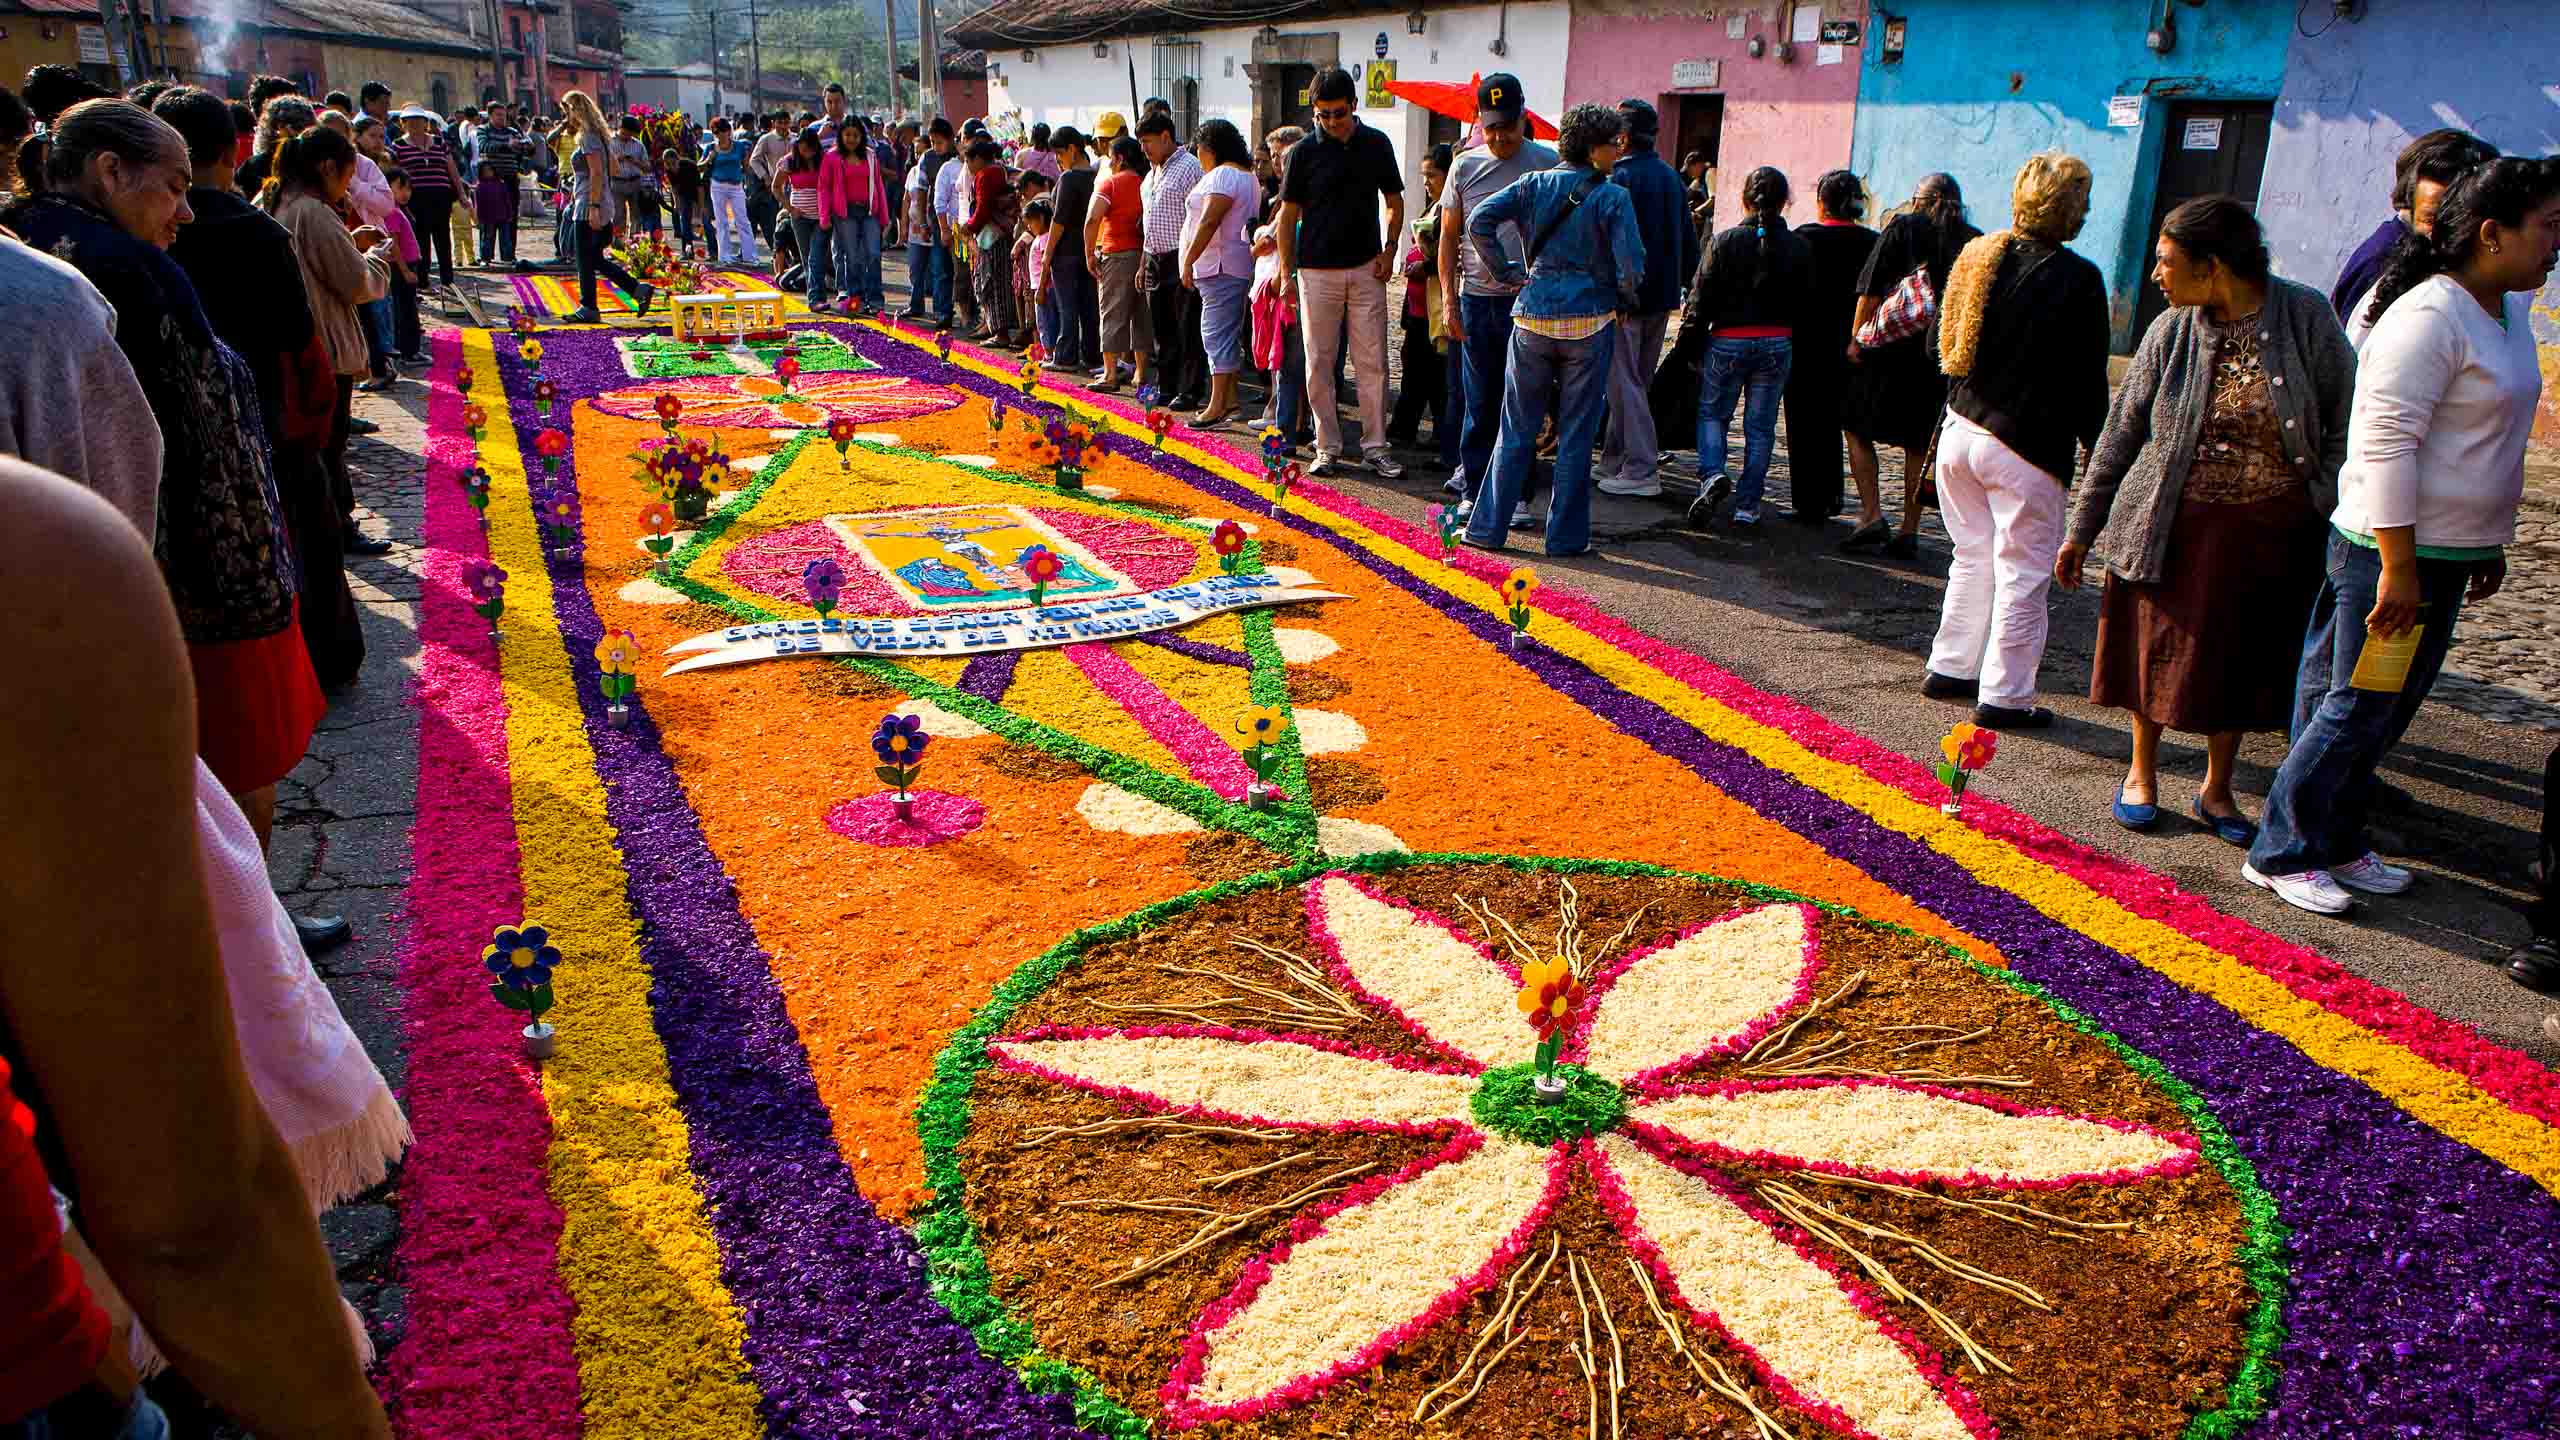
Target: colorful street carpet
[974,1021]
[555,297]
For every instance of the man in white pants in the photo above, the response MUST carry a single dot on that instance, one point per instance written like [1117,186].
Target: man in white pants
[1330,245]
[725,161]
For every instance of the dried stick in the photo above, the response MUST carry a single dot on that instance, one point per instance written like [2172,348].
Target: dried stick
[1960,1269]
[1996,1209]
[1617,1352]
[1585,1352]
[1940,1040]
[1222,1181]
[1625,933]
[1720,1382]
[1041,1135]
[1776,1041]
[1303,973]
[1164,1204]
[1984,1362]
[1242,1011]
[1219,1227]
[1488,920]
[1504,1316]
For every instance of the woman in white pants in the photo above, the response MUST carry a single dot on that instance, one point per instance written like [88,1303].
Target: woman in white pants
[2023,333]
[725,161]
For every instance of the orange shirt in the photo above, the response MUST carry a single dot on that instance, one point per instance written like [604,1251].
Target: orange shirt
[1120,223]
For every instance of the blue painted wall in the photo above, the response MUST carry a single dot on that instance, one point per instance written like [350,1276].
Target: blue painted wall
[2355,92]
[1983,84]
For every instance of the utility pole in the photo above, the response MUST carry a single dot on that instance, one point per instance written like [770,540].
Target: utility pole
[755,60]
[717,105]
[497,46]
[889,11]
[928,74]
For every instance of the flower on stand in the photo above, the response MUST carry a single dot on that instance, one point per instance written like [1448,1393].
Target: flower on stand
[1262,727]
[840,433]
[670,407]
[1444,518]
[1159,420]
[1040,565]
[475,423]
[560,514]
[1278,471]
[551,445]
[530,351]
[1516,589]
[899,745]
[1968,747]
[475,488]
[1068,440]
[544,393]
[520,321]
[487,585]
[462,381]
[659,520]
[995,415]
[1228,541]
[1286,476]
[786,369]
[1548,992]
[825,581]
[1275,448]
[520,960]
[1030,372]
[942,347]
[617,666]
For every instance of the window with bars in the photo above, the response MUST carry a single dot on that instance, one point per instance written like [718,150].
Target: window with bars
[1177,79]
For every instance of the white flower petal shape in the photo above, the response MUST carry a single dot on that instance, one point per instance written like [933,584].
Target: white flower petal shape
[1708,992]
[1340,837]
[1893,1130]
[1321,1306]
[1244,1077]
[1431,979]
[940,723]
[1328,732]
[1107,807]
[1806,1334]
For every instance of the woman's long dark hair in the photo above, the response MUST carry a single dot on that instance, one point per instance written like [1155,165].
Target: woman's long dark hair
[800,163]
[1765,193]
[1224,143]
[298,160]
[2500,190]
[1131,155]
[1941,201]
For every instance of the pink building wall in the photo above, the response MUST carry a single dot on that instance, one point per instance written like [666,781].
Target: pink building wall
[1793,114]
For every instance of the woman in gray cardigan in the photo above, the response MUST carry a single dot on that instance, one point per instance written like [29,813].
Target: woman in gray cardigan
[2205,500]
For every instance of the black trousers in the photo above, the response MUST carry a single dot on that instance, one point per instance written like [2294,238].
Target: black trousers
[1181,360]
[1426,382]
[592,261]
[431,215]
[1816,455]
[316,519]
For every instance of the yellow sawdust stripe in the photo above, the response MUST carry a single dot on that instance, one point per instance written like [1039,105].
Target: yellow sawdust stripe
[658,1337]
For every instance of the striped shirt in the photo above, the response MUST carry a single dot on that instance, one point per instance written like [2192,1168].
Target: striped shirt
[1564,327]
[1164,190]
[426,164]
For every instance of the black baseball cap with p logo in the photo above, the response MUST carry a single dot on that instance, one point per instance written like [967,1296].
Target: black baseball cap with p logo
[1498,100]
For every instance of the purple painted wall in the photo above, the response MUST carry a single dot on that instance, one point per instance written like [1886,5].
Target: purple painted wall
[2355,92]
[1793,114]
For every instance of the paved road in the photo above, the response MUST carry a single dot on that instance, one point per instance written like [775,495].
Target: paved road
[1779,607]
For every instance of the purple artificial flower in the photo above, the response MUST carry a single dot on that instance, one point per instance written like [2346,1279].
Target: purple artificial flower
[825,581]
[900,740]
[484,580]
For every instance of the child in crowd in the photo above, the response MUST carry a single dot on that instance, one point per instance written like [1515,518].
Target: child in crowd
[1036,221]
[407,337]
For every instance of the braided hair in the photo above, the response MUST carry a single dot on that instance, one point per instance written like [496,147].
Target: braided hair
[1765,193]
[2502,190]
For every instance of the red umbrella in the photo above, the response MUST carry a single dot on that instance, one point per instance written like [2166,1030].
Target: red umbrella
[1458,102]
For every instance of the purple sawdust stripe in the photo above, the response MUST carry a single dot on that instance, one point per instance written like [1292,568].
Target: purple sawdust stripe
[989,676]
[2426,1277]
[835,1297]
[1200,650]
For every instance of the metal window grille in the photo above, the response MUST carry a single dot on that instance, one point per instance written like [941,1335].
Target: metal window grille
[1177,79]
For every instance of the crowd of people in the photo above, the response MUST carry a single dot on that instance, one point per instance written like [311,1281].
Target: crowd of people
[2286,501]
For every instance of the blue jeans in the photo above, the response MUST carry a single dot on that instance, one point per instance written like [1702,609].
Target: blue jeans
[813,248]
[143,1421]
[1487,321]
[378,328]
[1289,391]
[1048,318]
[1071,288]
[854,241]
[2317,807]
[1572,378]
[1734,369]
[1226,319]
[919,276]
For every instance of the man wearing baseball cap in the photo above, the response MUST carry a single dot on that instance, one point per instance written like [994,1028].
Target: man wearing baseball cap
[1478,302]
[1109,128]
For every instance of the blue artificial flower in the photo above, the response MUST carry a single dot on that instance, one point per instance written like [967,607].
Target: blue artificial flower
[1148,395]
[522,959]
[900,740]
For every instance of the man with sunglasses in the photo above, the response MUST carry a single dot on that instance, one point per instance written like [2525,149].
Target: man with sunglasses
[1331,247]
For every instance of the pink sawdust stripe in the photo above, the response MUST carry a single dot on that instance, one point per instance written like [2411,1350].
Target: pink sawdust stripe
[1210,760]
[488,1354]
[2514,1078]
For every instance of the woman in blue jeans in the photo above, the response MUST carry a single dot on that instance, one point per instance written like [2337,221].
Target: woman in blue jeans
[1750,287]
[2447,380]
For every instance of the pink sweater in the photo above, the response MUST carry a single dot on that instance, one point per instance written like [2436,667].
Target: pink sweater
[845,182]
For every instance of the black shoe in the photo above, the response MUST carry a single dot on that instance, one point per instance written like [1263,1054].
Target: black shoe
[322,932]
[1903,547]
[1710,503]
[421,360]
[1949,687]
[640,302]
[2001,717]
[1868,536]
[359,543]
[361,426]
[2536,966]
[582,317]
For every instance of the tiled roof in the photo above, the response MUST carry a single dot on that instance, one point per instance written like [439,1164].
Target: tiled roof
[1021,24]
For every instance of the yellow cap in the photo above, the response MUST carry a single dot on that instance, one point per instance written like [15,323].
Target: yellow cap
[1110,125]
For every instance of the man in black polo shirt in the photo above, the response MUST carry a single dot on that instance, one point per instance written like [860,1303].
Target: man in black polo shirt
[1330,245]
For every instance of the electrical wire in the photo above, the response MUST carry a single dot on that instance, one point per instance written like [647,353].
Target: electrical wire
[2336,14]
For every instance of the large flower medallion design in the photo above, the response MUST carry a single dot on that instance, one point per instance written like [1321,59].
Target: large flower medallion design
[1683,1121]
[761,402]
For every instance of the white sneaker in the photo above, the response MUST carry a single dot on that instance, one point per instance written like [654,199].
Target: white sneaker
[2369,873]
[2312,890]
[1466,508]
[1633,489]
[1520,516]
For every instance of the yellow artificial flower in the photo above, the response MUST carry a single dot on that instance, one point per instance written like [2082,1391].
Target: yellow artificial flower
[531,350]
[1262,724]
[1956,739]
[1536,978]
[618,653]
[1519,583]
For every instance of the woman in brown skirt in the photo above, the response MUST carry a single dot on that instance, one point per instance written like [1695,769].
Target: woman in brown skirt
[2205,503]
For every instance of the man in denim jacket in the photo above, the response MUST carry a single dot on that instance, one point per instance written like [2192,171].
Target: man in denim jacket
[1585,267]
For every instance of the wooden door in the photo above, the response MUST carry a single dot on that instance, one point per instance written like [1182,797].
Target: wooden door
[2210,147]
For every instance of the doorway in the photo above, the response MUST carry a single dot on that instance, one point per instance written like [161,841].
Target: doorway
[2212,147]
[1696,123]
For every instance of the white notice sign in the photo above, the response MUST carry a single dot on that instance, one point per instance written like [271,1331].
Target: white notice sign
[1808,24]
[1827,54]
[2203,135]
[2124,112]
[986,631]
[1695,74]
[1733,26]
[93,45]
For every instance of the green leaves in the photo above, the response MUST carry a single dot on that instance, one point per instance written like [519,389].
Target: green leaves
[894,777]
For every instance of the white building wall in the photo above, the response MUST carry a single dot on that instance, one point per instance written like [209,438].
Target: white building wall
[1071,85]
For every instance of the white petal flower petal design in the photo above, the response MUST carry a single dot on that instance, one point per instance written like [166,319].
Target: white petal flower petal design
[1321,1307]
[1898,1131]
[1710,991]
[1802,1328]
[1435,981]
[1244,1076]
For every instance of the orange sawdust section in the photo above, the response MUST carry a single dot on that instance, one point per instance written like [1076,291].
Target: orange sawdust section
[882,953]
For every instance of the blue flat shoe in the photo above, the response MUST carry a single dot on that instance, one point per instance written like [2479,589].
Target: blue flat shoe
[2132,816]
[2231,829]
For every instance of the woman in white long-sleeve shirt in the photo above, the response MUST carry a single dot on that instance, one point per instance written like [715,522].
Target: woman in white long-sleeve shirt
[2447,380]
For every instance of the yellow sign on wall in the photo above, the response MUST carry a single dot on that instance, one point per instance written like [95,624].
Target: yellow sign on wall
[1382,73]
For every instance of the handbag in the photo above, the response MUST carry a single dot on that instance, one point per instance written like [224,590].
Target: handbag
[1907,310]
[1673,396]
